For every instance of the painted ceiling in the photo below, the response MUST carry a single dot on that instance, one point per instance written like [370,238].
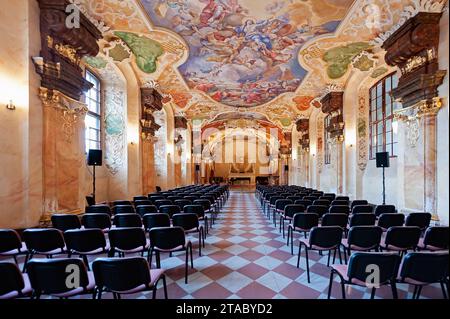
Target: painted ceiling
[270,57]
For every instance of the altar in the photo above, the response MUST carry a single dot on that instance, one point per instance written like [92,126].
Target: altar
[242,174]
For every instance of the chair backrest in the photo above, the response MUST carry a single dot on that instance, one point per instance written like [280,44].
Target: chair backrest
[343,198]
[122,203]
[182,203]
[274,199]
[317,209]
[204,202]
[163,202]
[385,209]
[281,203]
[121,274]
[127,220]
[169,210]
[388,220]
[322,202]
[364,237]
[43,240]
[9,240]
[330,195]
[358,202]
[156,220]
[154,198]
[339,209]
[362,220]
[360,264]
[425,267]
[305,221]
[191,197]
[436,237]
[102,221]
[11,279]
[186,221]
[49,276]
[311,198]
[139,198]
[303,202]
[167,237]
[98,209]
[194,209]
[146,209]
[294,198]
[403,237]
[340,202]
[127,238]
[65,222]
[421,220]
[143,202]
[325,237]
[84,240]
[362,209]
[123,209]
[335,220]
[292,209]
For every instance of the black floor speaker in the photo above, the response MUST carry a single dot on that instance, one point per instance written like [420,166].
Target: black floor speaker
[95,158]
[382,159]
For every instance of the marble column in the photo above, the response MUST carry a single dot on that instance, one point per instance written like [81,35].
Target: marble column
[148,167]
[63,154]
[430,147]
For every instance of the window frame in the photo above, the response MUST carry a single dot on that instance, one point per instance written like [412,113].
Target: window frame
[98,116]
[381,118]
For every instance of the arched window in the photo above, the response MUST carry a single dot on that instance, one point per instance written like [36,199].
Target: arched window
[94,115]
[382,107]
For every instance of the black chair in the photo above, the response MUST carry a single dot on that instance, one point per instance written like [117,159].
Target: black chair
[100,221]
[384,209]
[362,220]
[123,209]
[421,220]
[325,238]
[182,203]
[65,222]
[401,239]
[143,202]
[12,283]
[294,198]
[47,242]
[139,198]
[340,202]
[339,209]
[279,209]
[51,277]
[98,209]
[303,202]
[86,242]
[128,220]
[156,220]
[317,209]
[170,239]
[146,209]
[200,212]
[311,198]
[301,223]
[288,214]
[11,244]
[271,204]
[122,203]
[358,202]
[169,210]
[163,202]
[190,224]
[322,202]
[362,238]
[123,276]
[356,272]
[435,238]
[385,221]
[424,268]
[340,220]
[362,209]
[129,240]
[154,198]
[329,195]
[206,204]
[346,198]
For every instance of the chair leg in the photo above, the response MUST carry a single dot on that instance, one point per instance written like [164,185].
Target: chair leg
[419,291]
[288,234]
[444,293]
[158,259]
[154,292]
[86,261]
[394,289]
[345,255]
[307,264]
[299,254]
[165,287]
[25,263]
[186,266]
[330,284]
[342,287]
[192,257]
[415,292]
[200,235]
[328,261]
[339,253]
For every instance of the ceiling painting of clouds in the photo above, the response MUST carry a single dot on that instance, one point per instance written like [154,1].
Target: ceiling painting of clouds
[245,52]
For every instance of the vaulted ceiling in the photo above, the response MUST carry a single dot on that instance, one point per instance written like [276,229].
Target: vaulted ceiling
[273,59]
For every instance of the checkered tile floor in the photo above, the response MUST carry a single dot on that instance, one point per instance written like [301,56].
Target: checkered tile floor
[246,257]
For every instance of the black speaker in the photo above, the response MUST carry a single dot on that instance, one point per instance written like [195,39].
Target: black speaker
[382,159]
[95,158]
[197,168]
[286,168]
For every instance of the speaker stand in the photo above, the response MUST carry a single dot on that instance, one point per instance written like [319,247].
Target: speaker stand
[384,188]
[93,186]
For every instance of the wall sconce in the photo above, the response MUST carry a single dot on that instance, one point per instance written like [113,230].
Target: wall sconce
[10,106]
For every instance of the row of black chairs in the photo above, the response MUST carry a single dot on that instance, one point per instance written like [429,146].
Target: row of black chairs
[120,276]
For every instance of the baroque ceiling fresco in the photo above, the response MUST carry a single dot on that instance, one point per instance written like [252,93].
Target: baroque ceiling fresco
[272,57]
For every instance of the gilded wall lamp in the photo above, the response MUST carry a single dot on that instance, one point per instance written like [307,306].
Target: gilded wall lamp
[10,106]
